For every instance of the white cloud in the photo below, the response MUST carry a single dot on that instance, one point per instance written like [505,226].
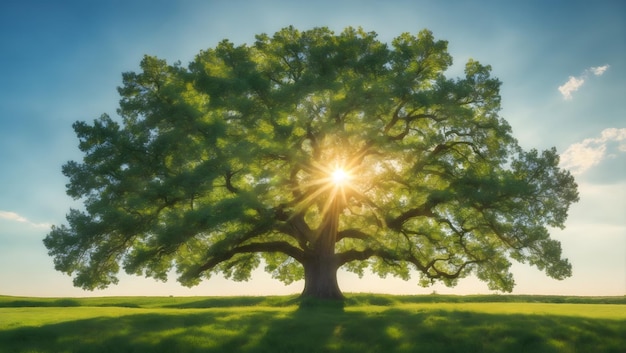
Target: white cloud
[570,86]
[12,216]
[574,83]
[599,70]
[581,156]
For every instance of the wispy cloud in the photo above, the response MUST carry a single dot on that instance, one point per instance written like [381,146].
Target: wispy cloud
[574,83]
[12,216]
[599,70]
[570,86]
[581,156]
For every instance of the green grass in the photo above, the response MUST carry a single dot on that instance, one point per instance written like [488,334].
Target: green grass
[365,323]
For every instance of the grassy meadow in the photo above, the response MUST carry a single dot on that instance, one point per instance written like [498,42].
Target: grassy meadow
[364,323]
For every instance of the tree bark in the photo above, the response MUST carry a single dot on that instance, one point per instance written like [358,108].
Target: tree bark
[320,278]
[320,267]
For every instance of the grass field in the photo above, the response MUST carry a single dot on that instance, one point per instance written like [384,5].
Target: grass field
[365,323]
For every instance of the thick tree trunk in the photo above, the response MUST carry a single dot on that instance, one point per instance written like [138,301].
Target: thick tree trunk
[320,268]
[320,278]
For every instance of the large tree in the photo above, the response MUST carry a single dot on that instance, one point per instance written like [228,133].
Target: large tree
[310,151]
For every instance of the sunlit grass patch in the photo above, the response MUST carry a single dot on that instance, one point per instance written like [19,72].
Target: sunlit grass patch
[400,325]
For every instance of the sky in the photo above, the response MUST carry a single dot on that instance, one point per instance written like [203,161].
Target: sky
[562,64]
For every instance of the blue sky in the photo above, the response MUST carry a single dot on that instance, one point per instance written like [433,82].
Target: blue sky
[562,64]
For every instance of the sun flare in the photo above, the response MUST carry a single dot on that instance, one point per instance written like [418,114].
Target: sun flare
[340,177]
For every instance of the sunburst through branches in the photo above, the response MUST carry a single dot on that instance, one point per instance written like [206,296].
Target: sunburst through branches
[340,177]
[329,184]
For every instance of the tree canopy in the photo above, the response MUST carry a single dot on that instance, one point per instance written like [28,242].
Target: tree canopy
[306,152]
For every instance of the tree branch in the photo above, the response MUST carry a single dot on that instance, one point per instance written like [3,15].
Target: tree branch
[428,269]
[296,227]
[357,255]
[229,175]
[442,274]
[353,234]
[274,246]
[424,210]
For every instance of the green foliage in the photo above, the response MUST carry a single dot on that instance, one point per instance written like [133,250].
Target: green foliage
[367,323]
[216,166]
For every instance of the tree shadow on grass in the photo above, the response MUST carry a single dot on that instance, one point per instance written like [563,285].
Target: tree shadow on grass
[320,329]
[239,301]
[24,303]
[397,330]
